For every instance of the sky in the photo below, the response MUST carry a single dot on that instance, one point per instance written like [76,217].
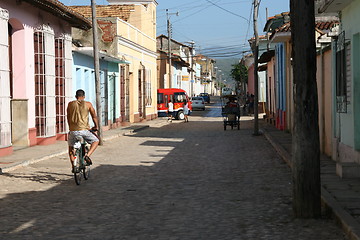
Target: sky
[219,28]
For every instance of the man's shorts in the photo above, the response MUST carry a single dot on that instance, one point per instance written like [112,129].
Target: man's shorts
[88,136]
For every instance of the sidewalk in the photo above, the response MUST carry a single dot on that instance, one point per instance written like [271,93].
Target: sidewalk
[341,197]
[25,156]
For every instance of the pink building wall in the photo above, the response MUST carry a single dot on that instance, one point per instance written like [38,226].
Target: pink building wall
[271,92]
[251,87]
[25,18]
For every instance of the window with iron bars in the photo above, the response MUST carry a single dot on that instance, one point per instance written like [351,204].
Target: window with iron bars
[44,64]
[343,73]
[148,97]
[40,84]
[60,85]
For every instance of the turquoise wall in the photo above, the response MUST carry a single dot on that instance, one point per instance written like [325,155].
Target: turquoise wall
[84,78]
[280,76]
[356,91]
[347,124]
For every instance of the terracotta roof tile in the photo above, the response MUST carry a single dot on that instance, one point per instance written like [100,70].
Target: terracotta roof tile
[120,11]
[58,9]
[322,26]
[326,25]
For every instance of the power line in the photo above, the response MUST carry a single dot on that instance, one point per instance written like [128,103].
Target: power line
[193,13]
[228,11]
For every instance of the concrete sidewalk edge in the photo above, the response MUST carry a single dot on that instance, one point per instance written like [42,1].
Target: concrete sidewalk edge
[281,151]
[350,226]
[62,152]
[31,161]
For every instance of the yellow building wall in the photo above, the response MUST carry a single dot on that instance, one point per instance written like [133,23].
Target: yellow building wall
[137,44]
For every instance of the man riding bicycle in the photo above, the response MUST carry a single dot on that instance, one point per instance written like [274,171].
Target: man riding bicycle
[78,120]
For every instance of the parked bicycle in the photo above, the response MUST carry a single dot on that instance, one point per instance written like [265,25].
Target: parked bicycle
[81,167]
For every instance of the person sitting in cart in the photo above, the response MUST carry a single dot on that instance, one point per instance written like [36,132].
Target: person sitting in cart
[232,107]
[231,103]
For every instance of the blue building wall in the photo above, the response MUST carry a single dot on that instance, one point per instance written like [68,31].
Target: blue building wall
[84,78]
[280,85]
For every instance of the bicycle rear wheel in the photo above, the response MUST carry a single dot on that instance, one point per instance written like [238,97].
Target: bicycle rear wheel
[77,167]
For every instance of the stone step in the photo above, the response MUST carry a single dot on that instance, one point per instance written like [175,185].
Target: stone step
[348,170]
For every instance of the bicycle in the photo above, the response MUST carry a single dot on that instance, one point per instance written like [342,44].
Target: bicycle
[81,168]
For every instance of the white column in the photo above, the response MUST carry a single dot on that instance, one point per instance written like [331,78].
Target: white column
[5,112]
[69,94]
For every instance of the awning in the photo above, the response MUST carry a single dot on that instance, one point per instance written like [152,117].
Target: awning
[102,55]
[266,56]
[262,68]
[179,60]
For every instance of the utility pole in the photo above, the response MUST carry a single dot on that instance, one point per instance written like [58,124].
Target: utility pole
[97,69]
[267,34]
[169,30]
[169,44]
[306,146]
[192,80]
[256,76]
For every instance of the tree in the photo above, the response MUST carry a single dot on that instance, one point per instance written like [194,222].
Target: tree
[239,73]
[306,152]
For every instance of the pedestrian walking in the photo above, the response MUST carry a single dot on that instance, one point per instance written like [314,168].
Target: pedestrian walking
[170,111]
[186,111]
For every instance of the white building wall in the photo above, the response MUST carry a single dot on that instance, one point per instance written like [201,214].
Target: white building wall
[5,113]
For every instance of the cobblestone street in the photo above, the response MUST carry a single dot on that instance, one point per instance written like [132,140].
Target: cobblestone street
[175,181]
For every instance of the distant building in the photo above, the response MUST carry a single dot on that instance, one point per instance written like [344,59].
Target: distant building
[182,64]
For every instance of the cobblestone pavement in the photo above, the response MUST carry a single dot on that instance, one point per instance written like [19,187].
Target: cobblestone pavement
[180,181]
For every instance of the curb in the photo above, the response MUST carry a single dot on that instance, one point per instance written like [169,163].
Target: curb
[35,160]
[281,151]
[31,161]
[349,225]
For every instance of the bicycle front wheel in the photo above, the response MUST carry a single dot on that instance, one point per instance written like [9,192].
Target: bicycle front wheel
[77,167]
[86,172]
[86,167]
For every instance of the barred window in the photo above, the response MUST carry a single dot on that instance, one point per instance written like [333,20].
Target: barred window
[44,63]
[148,98]
[343,73]
[60,87]
[40,83]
